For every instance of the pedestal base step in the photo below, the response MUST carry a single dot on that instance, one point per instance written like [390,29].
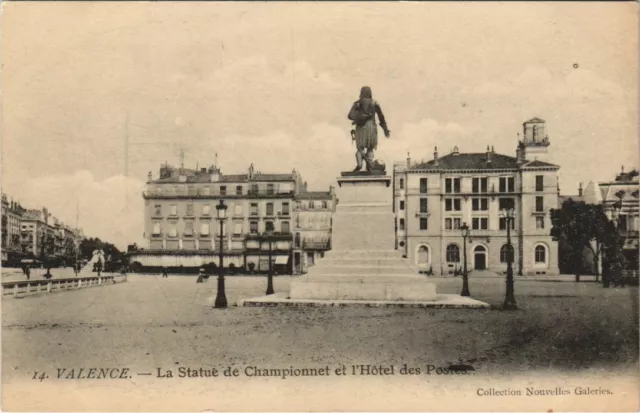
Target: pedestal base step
[442,301]
[373,291]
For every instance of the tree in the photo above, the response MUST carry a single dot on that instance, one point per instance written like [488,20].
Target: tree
[576,226]
[613,256]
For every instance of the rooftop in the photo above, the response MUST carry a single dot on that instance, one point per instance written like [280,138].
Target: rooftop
[314,195]
[456,161]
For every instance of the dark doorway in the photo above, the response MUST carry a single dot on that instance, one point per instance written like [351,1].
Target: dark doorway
[480,261]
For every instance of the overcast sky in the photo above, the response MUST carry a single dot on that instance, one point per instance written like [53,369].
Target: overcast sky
[272,84]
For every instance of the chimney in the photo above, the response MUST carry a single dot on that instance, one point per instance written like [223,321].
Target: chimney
[580,189]
[149,177]
[332,190]
[250,175]
[408,159]
[455,150]
[435,155]
[488,154]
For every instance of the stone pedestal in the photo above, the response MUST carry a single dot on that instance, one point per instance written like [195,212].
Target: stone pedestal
[363,264]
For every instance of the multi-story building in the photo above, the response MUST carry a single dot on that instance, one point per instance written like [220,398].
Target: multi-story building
[619,197]
[313,212]
[433,199]
[182,228]
[11,217]
[37,232]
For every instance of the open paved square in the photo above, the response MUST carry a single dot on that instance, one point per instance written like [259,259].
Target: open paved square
[151,321]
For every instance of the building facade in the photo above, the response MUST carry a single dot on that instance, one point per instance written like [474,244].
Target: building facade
[313,213]
[182,228]
[11,218]
[622,196]
[433,199]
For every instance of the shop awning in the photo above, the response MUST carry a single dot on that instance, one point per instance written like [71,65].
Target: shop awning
[282,259]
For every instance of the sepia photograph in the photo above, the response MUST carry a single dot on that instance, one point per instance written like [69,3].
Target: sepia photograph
[319,206]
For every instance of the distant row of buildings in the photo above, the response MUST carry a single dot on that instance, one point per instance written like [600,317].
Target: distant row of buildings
[264,212]
[34,233]
[431,200]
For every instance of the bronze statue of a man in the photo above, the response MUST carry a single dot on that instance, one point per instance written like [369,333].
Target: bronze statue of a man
[363,116]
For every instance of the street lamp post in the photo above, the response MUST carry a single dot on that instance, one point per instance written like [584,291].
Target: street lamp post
[616,208]
[465,278]
[510,299]
[221,298]
[270,291]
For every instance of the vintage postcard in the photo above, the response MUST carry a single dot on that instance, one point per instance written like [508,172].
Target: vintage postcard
[308,206]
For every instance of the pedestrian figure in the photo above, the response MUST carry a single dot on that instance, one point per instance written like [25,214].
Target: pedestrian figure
[164,273]
[27,272]
[98,267]
[363,116]
[48,274]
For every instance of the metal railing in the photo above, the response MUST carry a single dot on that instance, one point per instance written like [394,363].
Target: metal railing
[30,287]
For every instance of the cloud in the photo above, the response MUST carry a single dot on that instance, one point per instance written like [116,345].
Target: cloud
[111,209]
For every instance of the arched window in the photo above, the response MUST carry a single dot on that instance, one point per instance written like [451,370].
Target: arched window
[423,255]
[540,254]
[505,251]
[453,253]
[297,240]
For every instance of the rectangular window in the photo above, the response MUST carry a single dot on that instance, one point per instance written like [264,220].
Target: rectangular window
[503,224]
[254,189]
[254,209]
[311,204]
[253,227]
[424,205]
[506,203]
[189,209]
[285,227]
[238,210]
[423,223]
[285,208]
[540,222]
[268,226]
[173,231]
[270,189]
[401,183]
[206,191]
[401,205]
[452,185]
[480,223]
[239,190]
[237,228]
[456,223]
[206,210]
[448,223]
[158,209]
[401,226]
[269,208]
[507,184]
[188,228]
[204,228]
[539,183]
[456,185]
[223,190]
[423,185]
[174,210]
[480,204]
[156,228]
[539,204]
[452,204]
[479,185]
[448,186]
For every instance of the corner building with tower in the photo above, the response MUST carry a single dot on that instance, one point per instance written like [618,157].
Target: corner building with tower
[433,199]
